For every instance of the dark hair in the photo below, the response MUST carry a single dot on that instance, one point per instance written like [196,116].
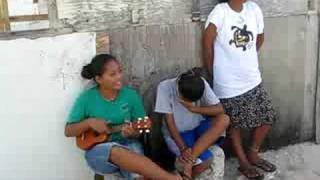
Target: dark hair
[96,66]
[191,85]
[223,1]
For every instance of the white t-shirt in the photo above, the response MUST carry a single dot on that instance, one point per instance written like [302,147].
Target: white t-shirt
[168,102]
[236,68]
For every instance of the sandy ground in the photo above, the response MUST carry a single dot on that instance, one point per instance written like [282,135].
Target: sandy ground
[296,162]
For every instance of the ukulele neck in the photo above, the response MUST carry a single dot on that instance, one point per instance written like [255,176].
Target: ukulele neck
[115,129]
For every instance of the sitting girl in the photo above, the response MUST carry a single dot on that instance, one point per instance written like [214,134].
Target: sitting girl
[107,104]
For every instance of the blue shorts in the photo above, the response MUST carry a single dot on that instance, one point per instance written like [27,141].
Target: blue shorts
[98,158]
[190,137]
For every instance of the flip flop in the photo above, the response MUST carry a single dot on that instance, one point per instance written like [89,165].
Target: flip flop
[265,165]
[251,173]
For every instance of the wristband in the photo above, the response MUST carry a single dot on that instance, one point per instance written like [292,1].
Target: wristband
[184,148]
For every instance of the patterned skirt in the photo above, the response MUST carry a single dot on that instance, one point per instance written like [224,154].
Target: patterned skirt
[251,109]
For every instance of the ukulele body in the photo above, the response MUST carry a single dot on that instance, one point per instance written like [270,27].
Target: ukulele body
[91,138]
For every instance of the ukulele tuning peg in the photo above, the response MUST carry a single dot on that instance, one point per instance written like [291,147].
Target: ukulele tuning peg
[147,131]
[146,118]
[140,131]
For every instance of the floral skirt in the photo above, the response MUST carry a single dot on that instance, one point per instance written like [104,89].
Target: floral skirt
[251,109]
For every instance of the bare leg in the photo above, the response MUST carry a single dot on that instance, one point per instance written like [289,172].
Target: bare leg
[235,135]
[139,164]
[198,169]
[245,167]
[258,136]
[219,125]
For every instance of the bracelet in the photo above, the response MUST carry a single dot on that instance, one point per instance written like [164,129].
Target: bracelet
[184,148]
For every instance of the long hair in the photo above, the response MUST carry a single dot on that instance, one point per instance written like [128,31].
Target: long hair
[96,66]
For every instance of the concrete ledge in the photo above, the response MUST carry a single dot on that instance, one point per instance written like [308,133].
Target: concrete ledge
[216,171]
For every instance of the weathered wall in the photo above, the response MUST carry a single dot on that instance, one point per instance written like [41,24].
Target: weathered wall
[288,62]
[271,9]
[156,52]
[97,14]
[156,39]
[100,15]
[318,83]
[289,65]
[38,86]
[160,40]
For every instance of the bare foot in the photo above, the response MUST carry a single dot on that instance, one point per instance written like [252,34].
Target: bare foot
[253,157]
[184,168]
[255,160]
[200,168]
[188,169]
[251,172]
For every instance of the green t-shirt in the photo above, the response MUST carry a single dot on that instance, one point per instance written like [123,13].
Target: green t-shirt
[127,106]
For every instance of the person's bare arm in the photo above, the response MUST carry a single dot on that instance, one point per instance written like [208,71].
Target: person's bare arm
[260,41]
[211,110]
[72,130]
[76,129]
[173,130]
[208,40]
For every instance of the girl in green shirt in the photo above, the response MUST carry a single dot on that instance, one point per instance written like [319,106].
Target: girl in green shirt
[107,104]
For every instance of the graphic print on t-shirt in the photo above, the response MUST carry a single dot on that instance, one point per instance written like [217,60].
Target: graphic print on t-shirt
[241,37]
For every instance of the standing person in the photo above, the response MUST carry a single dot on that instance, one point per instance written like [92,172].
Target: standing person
[194,121]
[233,36]
[107,104]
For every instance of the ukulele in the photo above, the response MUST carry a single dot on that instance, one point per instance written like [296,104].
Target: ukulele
[91,138]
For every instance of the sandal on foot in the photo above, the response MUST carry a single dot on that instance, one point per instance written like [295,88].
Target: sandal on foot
[251,173]
[265,165]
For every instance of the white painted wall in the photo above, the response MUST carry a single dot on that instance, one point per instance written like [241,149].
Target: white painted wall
[39,80]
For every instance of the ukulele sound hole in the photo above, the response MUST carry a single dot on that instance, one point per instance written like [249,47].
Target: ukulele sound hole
[96,133]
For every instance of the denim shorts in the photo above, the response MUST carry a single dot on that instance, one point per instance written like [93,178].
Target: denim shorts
[98,158]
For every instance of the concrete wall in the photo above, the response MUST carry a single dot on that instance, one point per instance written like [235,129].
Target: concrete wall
[154,40]
[288,62]
[318,83]
[157,39]
[39,82]
[103,14]
[156,52]
[289,66]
